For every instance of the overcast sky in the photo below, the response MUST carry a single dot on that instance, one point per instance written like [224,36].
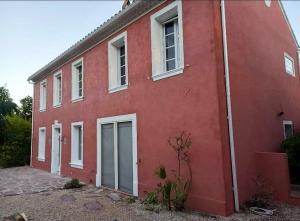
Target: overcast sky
[34,33]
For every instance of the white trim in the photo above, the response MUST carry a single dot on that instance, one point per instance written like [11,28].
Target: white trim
[32,131]
[42,156]
[74,86]
[56,102]
[286,122]
[286,55]
[229,111]
[114,81]
[55,126]
[157,41]
[77,163]
[43,96]
[114,120]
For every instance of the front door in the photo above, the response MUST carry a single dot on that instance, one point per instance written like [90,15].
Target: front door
[56,149]
[117,148]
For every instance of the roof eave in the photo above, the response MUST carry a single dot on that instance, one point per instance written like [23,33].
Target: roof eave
[108,28]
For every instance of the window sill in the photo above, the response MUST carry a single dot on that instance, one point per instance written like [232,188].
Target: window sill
[76,165]
[41,159]
[163,75]
[42,110]
[77,99]
[118,88]
[57,106]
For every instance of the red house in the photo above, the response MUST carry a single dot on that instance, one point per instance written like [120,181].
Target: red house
[225,71]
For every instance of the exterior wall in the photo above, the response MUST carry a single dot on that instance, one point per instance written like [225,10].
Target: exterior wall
[193,101]
[258,36]
[276,178]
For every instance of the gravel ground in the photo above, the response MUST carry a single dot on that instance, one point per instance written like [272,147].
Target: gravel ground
[90,203]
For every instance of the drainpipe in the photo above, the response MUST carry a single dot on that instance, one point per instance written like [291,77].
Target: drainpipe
[30,82]
[229,111]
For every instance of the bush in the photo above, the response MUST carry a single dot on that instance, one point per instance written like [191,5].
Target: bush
[72,184]
[16,147]
[292,147]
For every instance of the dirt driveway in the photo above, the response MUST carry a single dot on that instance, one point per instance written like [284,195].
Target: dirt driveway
[44,202]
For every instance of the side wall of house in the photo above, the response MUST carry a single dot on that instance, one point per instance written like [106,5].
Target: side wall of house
[190,102]
[258,37]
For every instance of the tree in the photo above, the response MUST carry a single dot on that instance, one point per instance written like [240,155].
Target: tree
[26,107]
[7,106]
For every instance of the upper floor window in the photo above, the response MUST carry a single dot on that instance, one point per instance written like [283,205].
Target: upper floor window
[77,80]
[268,3]
[167,41]
[57,89]
[77,145]
[288,129]
[289,64]
[117,59]
[43,95]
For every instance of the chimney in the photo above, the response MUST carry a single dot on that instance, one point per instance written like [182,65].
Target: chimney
[126,3]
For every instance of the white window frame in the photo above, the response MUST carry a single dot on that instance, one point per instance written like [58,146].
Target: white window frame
[42,145]
[56,101]
[287,56]
[74,157]
[114,81]
[118,119]
[157,38]
[75,87]
[268,3]
[43,95]
[287,122]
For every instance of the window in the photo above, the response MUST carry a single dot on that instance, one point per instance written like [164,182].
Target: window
[289,64]
[57,89]
[288,129]
[118,67]
[268,3]
[167,41]
[77,80]
[43,95]
[77,145]
[42,144]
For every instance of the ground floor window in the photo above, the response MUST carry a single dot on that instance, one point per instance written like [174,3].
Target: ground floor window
[77,145]
[288,129]
[42,144]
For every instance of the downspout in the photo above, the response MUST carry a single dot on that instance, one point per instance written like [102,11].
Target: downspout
[229,111]
[30,82]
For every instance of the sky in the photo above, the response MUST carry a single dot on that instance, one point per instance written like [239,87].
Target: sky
[34,33]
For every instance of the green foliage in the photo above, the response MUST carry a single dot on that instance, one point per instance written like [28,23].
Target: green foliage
[26,107]
[7,106]
[15,149]
[292,147]
[173,193]
[72,184]
[151,198]
[161,172]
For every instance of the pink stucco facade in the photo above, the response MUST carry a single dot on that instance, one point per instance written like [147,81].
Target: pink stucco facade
[194,101]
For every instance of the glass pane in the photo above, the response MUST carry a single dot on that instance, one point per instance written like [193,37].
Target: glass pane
[169,40]
[171,65]
[123,80]
[123,71]
[79,69]
[79,143]
[79,76]
[288,130]
[170,53]
[169,27]
[122,59]
[122,50]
